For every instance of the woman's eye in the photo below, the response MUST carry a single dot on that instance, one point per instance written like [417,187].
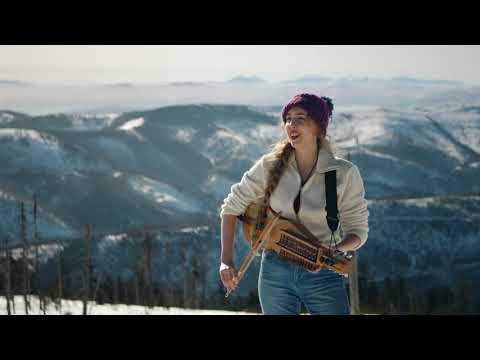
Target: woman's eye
[300,121]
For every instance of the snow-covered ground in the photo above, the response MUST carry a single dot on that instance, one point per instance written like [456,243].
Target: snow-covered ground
[75,307]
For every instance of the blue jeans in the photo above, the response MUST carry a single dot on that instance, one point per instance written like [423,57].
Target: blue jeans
[283,287]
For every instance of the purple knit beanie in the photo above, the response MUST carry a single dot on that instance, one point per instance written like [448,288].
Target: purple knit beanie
[318,108]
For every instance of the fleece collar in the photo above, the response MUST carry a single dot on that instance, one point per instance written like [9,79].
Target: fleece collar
[326,159]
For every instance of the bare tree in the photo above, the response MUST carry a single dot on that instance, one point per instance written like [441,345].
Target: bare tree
[60,279]
[23,237]
[7,277]
[167,266]
[116,287]
[36,263]
[183,263]
[195,278]
[87,268]
[97,286]
[137,287]
[198,259]
[353,287]
[203,271]
[13,299]
[353,276]
[148,267]
[126,297]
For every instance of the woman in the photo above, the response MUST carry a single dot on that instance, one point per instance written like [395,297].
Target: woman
[291,180]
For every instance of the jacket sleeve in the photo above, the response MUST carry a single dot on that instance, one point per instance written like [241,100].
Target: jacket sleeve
[251,187]
[352,208]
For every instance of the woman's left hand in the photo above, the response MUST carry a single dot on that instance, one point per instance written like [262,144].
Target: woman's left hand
[349,243]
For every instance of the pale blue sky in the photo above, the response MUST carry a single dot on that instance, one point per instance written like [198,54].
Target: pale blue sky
[146,64]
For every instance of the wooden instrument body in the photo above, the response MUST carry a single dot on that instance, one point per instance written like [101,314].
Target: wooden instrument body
[293,244]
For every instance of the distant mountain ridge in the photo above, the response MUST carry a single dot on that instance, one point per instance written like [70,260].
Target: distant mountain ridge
[246,79]
[13,83]
[241,90]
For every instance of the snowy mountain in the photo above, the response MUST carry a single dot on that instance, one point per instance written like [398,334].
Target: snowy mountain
[150,167]
[172,167]
[425,152]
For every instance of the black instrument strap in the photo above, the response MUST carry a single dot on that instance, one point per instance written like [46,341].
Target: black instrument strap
[331,197]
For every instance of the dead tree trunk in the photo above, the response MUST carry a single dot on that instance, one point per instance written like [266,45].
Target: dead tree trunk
[13,304]
[195,278]
[23,237]
[60,279]
[7,277]
[126,297]
[137,288]
[353,287]
[36,282]
[97,286]
[183,262]
[167,258]
[353,277]
[116,287]
[202,272]
[87,269]
[148,268]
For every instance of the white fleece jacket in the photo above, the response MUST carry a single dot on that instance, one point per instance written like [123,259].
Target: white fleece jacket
[352,206]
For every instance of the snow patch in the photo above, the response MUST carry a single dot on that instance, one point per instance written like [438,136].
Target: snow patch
[38,151]
[75,307]
[32,135]
[132,124]
[195,230]
[235,126]
[32,149]
[226,134]
[218,185]
[383,179]
[362,127]
[228,144]
[113,239]
[379,155]
[423,203]
[370,130]
[163,194]
[6,118]
[48,225]
[266,133]
[463,126]
[103,120]
[185,135]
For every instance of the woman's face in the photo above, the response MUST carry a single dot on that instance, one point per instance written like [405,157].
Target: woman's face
[300,128]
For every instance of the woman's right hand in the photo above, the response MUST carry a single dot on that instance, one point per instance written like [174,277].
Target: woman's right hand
[229,276]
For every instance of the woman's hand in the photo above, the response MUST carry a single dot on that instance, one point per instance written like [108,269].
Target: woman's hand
[229,276]
[349,243]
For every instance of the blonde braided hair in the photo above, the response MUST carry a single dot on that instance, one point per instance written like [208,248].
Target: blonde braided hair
[281,152]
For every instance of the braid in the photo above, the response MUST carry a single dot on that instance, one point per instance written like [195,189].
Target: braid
[281,152]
